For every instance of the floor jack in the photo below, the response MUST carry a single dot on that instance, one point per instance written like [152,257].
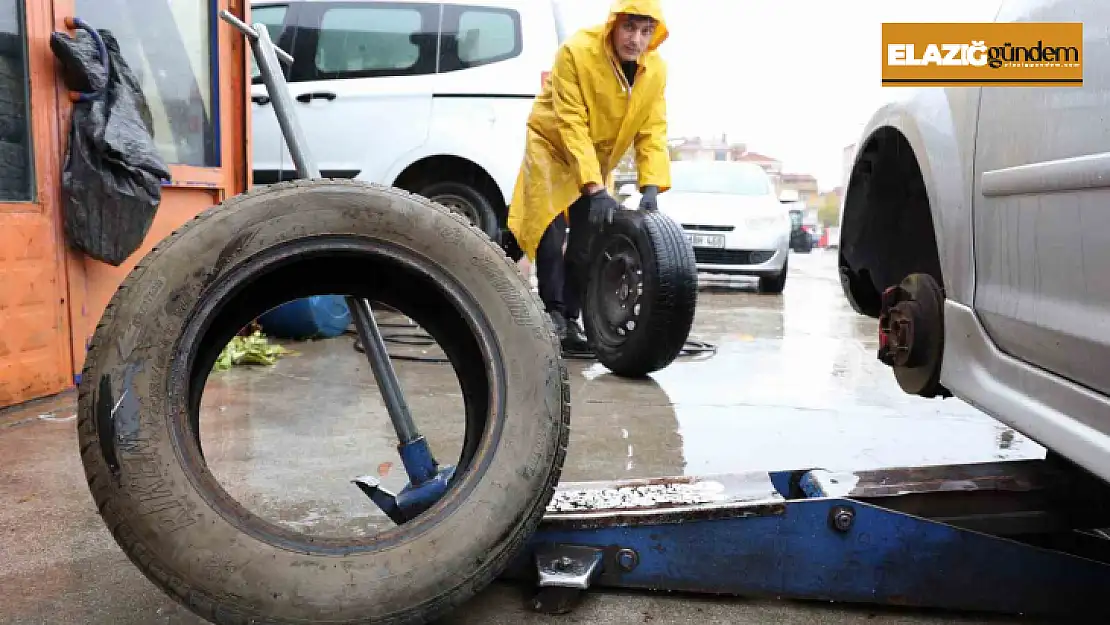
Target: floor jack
[1016,537]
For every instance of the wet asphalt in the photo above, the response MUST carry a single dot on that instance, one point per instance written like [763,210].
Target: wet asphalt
[794,384]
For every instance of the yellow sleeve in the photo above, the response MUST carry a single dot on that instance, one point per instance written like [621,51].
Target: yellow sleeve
[653,159]
[572,119]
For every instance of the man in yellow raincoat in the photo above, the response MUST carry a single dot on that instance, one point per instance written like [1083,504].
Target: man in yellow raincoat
[605,95]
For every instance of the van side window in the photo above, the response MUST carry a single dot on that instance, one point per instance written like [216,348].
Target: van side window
[359,40]
[272,16]
[475,36]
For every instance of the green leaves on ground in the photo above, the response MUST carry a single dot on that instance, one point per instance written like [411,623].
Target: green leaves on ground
[254,349]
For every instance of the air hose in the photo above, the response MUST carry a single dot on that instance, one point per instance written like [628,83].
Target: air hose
[422,339]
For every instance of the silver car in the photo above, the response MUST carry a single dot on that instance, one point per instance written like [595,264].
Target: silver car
[976,228]
[732,216]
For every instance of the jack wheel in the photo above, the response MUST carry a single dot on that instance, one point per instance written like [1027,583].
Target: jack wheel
[911,334]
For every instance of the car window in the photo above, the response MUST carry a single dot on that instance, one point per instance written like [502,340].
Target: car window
[273,17]
[361,39]
[715,177]
[474,36]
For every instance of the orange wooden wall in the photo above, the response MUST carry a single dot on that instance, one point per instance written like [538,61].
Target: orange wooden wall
[51,297]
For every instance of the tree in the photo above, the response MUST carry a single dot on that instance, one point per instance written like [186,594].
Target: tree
[828,211]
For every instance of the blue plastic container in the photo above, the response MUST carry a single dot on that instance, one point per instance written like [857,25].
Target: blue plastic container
[317,317]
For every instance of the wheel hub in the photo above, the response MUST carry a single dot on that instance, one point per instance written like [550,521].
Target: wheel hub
[458,205]
[622,284]
[911,334]
[898,329]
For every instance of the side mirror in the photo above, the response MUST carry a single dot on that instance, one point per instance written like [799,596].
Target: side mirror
[627,189]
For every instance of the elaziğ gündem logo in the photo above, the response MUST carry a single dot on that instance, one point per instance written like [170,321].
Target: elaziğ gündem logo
[990,54]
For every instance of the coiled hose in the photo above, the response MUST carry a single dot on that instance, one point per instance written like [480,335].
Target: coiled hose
[409,335]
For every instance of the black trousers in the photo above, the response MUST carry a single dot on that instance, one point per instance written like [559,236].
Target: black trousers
[562,277]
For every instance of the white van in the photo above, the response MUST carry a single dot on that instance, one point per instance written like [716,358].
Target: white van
[431,97]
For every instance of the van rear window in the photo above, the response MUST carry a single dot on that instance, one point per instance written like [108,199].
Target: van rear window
[475,36]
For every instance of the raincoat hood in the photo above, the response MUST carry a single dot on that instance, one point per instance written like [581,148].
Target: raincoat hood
[650,8]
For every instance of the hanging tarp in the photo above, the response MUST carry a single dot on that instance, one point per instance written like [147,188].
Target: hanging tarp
[113,174]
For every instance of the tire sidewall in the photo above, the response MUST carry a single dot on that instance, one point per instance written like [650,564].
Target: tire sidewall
[152,503]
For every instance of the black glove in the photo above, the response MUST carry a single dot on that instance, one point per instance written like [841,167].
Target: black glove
[649,200]
[602,208]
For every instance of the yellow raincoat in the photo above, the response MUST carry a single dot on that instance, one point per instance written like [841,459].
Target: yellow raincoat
[585,120]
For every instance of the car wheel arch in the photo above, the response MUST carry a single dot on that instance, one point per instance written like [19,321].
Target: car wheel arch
[889,227]
[434,168]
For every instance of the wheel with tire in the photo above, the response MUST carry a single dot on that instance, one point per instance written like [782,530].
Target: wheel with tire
[468,202]
[777,283]
[164,328]
[13,106]
[641,293]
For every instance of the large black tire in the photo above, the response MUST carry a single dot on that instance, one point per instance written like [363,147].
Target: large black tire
[466,200]
[775,284]
[667,301]
[14,181]
[139,396]
[13,105]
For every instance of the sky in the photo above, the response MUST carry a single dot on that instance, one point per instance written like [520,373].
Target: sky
[763,72]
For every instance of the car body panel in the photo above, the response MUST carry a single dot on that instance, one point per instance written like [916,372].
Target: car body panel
[753,230]
[941,126]
[1042,231]
[746,224]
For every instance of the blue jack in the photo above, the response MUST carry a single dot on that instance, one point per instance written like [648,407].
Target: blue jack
[427,484]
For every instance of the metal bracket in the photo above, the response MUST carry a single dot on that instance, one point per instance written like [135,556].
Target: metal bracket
[565,573]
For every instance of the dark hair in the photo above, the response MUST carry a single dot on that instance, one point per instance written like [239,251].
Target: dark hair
[636,17]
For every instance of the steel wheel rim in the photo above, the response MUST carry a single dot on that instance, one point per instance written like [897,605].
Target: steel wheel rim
[460,205]
[619,284]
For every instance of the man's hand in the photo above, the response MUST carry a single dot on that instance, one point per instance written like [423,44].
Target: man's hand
[649,201]
[602,208]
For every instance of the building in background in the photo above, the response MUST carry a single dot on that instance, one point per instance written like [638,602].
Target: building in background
[772,166]
[804,184]
[698,149]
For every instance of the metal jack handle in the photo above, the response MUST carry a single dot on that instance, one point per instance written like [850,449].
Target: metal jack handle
[417,458]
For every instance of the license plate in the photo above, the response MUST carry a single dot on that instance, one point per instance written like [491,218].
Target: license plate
[706,240]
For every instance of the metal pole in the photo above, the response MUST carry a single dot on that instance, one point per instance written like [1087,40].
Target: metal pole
[376,353]
[274,79]
[266,55]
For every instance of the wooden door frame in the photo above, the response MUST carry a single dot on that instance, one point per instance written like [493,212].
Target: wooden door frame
[46,163]
[231,112]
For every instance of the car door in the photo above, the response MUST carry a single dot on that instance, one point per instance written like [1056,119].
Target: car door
[267,143]
[362,83]
[1041,224]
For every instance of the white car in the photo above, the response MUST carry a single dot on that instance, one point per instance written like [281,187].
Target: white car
[732,216]
[431,97]
[975,227]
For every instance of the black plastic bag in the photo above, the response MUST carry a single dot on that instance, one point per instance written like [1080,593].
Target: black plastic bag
[112,179]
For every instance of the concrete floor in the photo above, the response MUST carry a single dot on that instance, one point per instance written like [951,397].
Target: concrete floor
[795,384]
